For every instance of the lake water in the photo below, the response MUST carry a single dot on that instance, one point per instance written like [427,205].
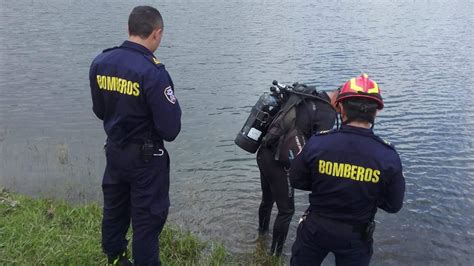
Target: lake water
[222,55]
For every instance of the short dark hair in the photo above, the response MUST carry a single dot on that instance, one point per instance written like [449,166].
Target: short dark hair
[360,109]
[143,20]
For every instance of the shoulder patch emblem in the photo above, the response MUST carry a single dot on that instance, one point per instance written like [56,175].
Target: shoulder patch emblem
[156,61]
[169,94]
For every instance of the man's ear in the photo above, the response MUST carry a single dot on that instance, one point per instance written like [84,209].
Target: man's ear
[332,97]
[157,33]
[339,108]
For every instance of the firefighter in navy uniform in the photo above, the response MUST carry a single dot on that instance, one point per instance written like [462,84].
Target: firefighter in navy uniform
[350,172]
[134,96]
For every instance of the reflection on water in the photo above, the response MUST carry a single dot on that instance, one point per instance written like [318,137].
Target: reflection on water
[222,56]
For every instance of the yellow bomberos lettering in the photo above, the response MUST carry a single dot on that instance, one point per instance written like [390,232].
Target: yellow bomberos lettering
[322,164]
[345,170]
[368,175]
[353,172]
[338,169]
[99,81]
[124,86]
[136,92]
[328,167]
[130,88]
[360,173]
[104,82]
[376,178]
[120,85]
[110,84]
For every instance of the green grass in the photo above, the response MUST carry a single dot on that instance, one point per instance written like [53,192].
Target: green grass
[52,232]
[47,232]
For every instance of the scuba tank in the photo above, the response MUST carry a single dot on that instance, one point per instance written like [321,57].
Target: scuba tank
[263,112]
[272,120]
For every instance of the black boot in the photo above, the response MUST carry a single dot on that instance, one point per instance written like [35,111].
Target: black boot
[277,244]
[121,260]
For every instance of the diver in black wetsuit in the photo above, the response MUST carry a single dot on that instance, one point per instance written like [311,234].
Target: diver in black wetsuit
[309,117]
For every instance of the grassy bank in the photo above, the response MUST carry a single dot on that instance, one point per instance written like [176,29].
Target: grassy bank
[35,232]
[49,232]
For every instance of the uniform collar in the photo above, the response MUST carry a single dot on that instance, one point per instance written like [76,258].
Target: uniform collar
[357,130]
[138,47]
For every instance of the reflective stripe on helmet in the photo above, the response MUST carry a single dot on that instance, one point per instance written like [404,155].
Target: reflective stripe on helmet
[362,87]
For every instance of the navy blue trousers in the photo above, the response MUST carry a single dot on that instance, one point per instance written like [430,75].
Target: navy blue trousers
[134,191]
[317,237]
[275,188]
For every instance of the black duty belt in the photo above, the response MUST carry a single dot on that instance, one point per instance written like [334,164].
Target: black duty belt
[356,228]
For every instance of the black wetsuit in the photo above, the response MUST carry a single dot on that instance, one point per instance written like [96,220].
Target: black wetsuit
[311,117]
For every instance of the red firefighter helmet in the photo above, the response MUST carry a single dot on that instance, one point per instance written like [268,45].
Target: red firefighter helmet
[362,87]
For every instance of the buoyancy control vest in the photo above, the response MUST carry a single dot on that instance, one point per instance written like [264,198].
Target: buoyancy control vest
[301,116]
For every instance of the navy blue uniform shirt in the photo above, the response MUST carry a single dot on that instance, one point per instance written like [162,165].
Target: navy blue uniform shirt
[134,95]
[349,172]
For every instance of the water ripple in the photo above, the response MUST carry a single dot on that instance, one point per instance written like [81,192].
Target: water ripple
[222,57]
